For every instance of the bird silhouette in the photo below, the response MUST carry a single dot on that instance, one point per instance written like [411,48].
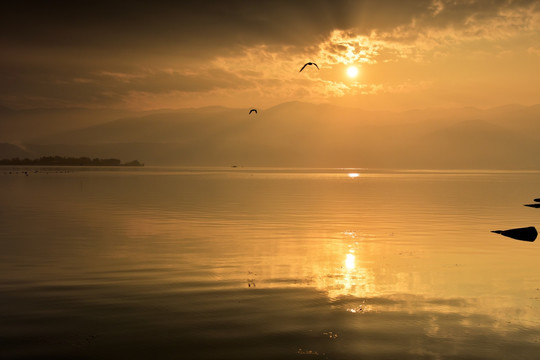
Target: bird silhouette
[252,110]
[309,63]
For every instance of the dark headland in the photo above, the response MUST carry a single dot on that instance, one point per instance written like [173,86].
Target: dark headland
[68,161]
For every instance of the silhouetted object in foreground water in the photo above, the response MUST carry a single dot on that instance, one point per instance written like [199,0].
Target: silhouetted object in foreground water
[525,234]
[533,205]
[309,63]
[253,110]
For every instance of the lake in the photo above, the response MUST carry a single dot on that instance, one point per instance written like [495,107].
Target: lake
[267,263]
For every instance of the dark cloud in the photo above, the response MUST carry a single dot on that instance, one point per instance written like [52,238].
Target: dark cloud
[160,82]
[464,13]
[94,86]
[71,51]
[193,24]
[206,27]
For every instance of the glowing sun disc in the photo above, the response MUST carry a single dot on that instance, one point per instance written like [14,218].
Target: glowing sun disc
[352,71]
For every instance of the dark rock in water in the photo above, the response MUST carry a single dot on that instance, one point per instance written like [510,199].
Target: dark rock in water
[525,234]
[533,205]
[537,200]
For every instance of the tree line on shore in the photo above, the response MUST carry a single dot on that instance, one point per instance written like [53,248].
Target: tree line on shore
[69,161]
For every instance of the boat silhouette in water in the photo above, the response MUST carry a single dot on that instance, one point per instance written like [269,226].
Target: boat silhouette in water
[524,234]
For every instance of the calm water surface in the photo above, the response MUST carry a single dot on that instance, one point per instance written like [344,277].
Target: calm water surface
[176,263]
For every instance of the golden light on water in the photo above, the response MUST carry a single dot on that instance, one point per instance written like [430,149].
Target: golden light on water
[350,261]
[353,175]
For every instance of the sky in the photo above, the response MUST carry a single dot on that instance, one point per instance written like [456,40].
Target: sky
[142,55]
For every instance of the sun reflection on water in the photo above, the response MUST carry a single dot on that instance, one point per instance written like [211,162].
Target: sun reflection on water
[345,271]
[350,261]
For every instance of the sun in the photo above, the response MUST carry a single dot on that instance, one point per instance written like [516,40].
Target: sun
[352,71]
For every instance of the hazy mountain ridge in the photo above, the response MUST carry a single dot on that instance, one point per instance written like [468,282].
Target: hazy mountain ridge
[9,151]
[475,144]
[24,125]
[303,134]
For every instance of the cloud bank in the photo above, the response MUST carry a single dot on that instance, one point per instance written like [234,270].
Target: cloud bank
[142,55]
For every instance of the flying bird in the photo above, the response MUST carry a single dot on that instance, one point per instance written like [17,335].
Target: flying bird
[252,110]
[309,63]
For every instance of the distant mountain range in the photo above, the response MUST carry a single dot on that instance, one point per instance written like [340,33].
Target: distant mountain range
[289,134]
[22,125]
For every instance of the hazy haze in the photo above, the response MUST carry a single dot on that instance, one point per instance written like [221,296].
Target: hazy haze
[67,67]
[313,135]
